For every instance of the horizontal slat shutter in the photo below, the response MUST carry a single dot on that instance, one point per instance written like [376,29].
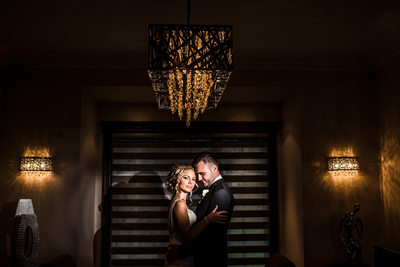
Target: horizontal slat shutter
[139,199]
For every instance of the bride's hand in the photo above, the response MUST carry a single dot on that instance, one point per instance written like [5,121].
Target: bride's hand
[216,216]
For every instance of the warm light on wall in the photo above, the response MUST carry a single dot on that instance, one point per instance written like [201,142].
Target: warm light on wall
[342,163]
[389,175]
[36,163]
[342,170]
[35,168]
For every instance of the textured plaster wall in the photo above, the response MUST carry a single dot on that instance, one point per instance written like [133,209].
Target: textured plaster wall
[388,83]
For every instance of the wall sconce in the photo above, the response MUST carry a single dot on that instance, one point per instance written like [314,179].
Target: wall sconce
[343,164]
[36,164]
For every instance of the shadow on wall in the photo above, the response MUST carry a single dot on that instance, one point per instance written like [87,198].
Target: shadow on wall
[128,194]
[7,214]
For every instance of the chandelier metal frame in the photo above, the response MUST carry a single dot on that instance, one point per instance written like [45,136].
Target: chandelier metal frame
[189,66]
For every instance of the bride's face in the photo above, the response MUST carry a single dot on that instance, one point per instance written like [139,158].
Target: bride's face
[188,181]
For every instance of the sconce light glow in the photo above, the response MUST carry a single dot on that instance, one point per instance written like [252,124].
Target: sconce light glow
[343,164]
[35,168]
[36,164]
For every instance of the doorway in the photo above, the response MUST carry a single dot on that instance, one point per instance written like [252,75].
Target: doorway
[137,159]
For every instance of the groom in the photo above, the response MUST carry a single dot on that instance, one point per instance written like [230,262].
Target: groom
[210,248]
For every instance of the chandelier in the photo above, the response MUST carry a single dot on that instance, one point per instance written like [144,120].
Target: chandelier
[189,66]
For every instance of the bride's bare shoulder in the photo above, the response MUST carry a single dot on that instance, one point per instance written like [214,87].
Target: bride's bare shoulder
[180,206]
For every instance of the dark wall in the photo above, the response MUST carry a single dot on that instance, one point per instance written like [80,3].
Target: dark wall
[41,115]
[328,114]
[338,119]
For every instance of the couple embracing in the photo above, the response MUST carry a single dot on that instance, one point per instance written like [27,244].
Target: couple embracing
[198,238]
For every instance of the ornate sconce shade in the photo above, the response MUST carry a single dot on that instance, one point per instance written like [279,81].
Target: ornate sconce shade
[343,164]
[189,66]
[36,164]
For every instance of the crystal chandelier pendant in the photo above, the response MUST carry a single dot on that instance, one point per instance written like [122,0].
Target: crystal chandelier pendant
[189,67]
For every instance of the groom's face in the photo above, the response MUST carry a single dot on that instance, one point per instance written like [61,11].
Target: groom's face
[205,173]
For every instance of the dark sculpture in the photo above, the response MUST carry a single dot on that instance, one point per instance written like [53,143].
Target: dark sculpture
[25,240]
[351,222]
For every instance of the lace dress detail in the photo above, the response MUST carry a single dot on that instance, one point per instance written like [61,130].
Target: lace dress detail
[175,239]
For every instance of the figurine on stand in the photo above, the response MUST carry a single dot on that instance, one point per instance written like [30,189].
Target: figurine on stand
[350,223]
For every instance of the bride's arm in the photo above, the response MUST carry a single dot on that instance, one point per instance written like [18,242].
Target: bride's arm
[190,233]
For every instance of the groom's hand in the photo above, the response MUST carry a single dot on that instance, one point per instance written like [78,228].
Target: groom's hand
[173,253]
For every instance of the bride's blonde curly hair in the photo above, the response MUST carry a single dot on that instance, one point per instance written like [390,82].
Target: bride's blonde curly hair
[175,175]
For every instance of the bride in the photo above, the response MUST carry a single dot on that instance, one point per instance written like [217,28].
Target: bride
[181,181]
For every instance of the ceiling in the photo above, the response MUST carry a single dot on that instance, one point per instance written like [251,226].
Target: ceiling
[269,36]
[288,34]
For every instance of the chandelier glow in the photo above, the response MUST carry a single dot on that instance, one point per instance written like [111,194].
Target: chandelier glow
[189,66]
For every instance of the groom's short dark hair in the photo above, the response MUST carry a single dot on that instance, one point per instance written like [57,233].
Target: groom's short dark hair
[206,157]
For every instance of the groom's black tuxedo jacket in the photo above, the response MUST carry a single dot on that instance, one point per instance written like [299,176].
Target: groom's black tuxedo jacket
[211,248]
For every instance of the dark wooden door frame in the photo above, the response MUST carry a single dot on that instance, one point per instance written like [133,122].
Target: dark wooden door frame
[109,128]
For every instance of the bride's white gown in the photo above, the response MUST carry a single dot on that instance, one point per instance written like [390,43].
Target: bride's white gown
[176,239]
